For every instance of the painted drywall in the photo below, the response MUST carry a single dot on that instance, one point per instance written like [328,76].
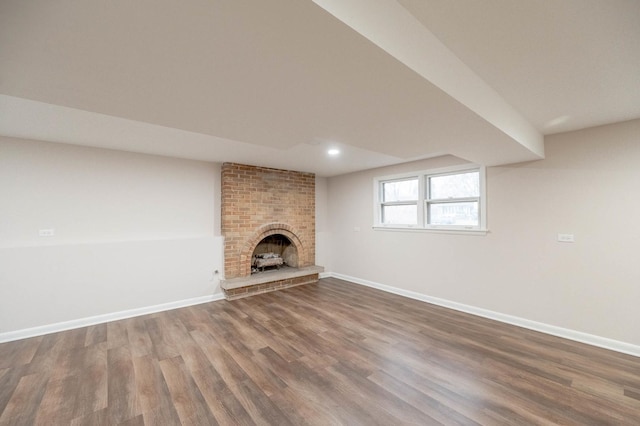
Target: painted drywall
[586,186]
[45,285]
[322,224]
[97,195]
[131,231]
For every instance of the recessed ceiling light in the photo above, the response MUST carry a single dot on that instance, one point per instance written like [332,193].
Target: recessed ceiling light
[333,151]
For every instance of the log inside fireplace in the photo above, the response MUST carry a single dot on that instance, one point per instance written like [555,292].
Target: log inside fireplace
[266,260]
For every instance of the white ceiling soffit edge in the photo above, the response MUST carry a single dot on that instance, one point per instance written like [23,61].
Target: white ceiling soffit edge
[33,120]
[391,27]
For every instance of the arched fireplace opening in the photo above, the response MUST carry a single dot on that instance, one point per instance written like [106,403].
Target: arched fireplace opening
[274,251]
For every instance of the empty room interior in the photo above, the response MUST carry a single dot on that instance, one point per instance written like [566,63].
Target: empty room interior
[313,212]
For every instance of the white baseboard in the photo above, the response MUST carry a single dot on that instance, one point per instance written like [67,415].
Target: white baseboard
[590,339]
[99,319]
[578,336]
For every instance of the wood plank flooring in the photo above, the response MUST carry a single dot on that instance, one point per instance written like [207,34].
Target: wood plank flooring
[332,353]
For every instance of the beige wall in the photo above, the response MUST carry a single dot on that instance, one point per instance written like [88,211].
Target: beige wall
[586,186]
[131,231]
[323,257]
[97,195]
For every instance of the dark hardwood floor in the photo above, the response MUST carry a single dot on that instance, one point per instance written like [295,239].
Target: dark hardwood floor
[332,353]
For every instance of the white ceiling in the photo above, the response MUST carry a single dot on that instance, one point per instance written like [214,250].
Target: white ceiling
[564,64]
[278,83]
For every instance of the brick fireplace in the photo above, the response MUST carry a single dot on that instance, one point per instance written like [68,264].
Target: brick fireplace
[261,209]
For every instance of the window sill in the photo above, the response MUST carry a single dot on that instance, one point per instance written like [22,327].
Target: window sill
[477,232]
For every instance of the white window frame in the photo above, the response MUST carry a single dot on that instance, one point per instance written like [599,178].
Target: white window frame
[423,201]
[402,203]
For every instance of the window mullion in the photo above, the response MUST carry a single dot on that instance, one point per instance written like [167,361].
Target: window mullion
[452,200]
[399,203]
[422,195]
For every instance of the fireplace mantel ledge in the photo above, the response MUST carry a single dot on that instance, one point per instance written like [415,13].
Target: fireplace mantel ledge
[270,276]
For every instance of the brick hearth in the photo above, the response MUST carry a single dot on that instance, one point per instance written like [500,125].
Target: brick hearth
[269,281]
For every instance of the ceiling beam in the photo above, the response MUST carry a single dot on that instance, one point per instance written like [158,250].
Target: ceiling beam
[392,28]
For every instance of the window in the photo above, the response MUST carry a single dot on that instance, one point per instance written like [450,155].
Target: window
[453,199]
[400,202]
[450,199]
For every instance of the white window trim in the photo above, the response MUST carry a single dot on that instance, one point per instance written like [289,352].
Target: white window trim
[417,202]
[422,225]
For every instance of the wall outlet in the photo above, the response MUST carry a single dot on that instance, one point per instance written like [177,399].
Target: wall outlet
[566,238]
[46,232]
